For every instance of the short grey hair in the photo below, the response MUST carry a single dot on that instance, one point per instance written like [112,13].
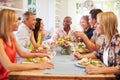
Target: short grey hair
[26,15]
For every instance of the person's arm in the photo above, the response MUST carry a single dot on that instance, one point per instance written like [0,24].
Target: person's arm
[90,45]
[80,56]
[27,54]
[42,36]
[102,70]
[9,66]
[34,43]
[114,59]
[97,47]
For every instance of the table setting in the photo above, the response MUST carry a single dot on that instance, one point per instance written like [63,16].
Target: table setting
[66,66]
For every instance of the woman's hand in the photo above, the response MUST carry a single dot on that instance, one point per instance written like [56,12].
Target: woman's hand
[77,55]
[42,35]
[43,55]
[43,50]
[40,50]
[45,65]
[78,35]
[94,69]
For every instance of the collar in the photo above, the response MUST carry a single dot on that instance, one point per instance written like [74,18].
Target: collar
[26,27]
[65,32]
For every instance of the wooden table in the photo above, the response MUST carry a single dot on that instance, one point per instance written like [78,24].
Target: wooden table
[64,70]
[37,75]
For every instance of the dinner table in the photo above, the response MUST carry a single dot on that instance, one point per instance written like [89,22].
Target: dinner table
[65,68]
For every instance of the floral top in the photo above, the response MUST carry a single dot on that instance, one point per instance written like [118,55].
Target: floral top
[113,52]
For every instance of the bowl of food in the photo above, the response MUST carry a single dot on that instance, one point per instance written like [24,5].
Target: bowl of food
[82,50]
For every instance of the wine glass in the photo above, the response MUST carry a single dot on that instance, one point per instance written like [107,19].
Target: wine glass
[51,52]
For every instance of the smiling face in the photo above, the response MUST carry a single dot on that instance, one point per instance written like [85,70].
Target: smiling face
[31,21]
[67,21]
[107,23]
[8,23]
[84,22]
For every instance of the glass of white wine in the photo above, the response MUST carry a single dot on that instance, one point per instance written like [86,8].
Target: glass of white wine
[51,53]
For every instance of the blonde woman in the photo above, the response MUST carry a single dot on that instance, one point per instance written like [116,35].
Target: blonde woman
[109,53]
[9,47]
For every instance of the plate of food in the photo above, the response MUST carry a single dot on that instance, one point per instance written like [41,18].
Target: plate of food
[36,60]
[82,50]
[84,62]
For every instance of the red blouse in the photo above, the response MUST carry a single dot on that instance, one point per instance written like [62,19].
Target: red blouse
[11,53]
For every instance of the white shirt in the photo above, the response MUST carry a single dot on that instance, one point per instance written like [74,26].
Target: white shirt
[105,56]
[98,38]
[23,38]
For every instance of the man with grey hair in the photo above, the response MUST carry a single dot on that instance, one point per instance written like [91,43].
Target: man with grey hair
[24,32]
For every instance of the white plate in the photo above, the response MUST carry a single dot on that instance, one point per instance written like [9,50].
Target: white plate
[77,64]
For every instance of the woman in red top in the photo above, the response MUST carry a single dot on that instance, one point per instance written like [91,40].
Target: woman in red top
[9,47]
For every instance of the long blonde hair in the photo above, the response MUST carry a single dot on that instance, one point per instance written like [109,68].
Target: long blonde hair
[7,17]
[109,22]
